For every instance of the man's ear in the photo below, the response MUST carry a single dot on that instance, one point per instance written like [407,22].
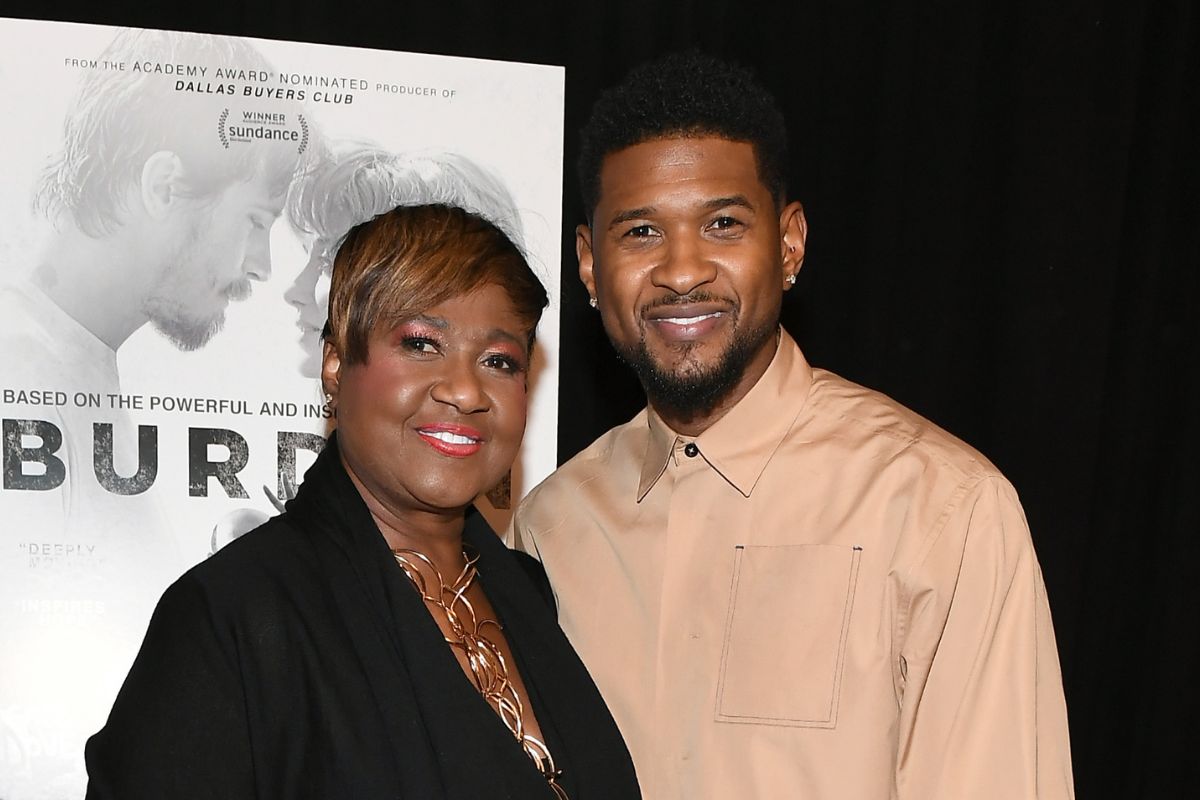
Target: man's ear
[331,367]
[793,233]
[162,177]
[583,251]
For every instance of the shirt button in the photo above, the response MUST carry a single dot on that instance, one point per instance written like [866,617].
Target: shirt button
[690,450]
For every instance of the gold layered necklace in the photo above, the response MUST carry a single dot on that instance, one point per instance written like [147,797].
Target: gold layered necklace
[485,662]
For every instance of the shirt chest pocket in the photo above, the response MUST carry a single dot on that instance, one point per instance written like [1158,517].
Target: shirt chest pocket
[785,634]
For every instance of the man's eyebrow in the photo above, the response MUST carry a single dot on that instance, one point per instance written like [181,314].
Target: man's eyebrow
[630,214]
[739,200]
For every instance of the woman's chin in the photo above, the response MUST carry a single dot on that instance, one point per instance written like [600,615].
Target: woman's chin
[310,359]
[451,501]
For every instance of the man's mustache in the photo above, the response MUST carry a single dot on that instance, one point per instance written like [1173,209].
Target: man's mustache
[239,290]
[686,299]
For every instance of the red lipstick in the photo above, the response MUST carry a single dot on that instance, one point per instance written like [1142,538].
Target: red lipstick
[456,441]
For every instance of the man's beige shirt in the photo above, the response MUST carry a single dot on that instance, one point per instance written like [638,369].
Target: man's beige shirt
[826,597]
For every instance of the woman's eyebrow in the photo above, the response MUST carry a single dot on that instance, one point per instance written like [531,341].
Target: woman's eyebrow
[441,323]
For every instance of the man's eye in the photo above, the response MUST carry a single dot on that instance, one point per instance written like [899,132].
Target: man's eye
[724,223]
[639,231]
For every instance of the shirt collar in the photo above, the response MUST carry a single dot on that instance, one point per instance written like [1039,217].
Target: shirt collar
[59,323]
[91,361]
[740,444]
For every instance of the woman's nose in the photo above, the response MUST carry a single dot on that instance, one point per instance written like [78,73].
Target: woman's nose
[461,385]
[300,293]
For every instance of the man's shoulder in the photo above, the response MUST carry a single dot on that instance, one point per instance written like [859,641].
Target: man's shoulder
[604,454]
[612,458]
[46,348]
[27,343]
[883,427]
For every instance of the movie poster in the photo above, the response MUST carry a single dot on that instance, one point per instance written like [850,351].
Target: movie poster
[171,203]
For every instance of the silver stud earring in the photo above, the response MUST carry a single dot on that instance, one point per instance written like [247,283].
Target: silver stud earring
[791,279]
[592,302]
[328,397]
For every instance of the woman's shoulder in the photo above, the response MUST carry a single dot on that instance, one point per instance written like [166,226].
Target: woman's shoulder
[275,554]
[528,568]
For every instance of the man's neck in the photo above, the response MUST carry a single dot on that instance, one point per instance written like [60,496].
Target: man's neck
[95,281]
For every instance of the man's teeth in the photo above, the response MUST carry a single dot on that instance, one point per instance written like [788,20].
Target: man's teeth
[690,320]
[450,438]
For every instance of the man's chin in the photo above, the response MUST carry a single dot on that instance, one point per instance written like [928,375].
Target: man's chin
[685,363]
[684,385]
[690,380]
[686,357]
[189,334]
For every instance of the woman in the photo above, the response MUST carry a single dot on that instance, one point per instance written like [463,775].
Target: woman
[310,658]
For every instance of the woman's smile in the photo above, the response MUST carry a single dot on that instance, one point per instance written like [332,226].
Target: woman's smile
[457,441]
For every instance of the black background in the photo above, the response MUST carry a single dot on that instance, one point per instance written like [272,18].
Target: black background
[1004,206]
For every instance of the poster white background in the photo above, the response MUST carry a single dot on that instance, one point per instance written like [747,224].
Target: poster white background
[68,632]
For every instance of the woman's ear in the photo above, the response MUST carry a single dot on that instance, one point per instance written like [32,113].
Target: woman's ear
[331,367]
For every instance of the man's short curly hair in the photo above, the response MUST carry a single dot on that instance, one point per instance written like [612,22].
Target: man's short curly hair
[688,94]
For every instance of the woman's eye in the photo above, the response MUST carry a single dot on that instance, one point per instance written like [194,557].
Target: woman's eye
[502,362]
[419,344]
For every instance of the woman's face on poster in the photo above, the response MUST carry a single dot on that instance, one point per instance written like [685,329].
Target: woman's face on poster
[309,295]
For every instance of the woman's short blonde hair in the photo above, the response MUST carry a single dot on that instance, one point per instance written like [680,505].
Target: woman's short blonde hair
[412,258]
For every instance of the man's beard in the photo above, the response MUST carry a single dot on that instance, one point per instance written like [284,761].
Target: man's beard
[185,332]
[690,391]
[168,307]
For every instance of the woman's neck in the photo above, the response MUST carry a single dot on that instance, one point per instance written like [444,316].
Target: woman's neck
[435,533]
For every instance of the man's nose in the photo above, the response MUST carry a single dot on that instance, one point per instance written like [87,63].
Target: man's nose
[257,265]
[684,266]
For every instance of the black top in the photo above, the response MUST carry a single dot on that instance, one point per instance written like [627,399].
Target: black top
[300,662]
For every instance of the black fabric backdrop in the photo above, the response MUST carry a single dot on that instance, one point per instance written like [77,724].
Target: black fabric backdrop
[1004,206]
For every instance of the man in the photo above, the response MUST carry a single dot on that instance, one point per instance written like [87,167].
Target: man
[784,584]
[160,213]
